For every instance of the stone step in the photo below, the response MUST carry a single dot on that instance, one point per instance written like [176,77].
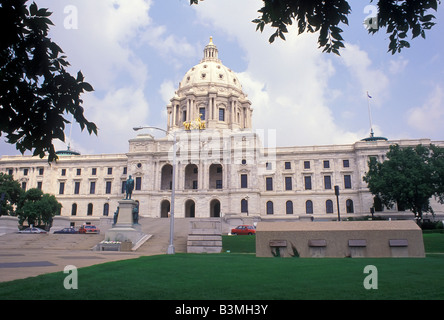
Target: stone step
[203,243]
[205,231]
[204,237]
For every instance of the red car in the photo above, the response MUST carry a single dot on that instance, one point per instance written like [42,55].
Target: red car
[244,229]
[89,229]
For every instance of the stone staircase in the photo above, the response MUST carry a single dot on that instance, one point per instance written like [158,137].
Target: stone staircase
[190,235]
[205,236]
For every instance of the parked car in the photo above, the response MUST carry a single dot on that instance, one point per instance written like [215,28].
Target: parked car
[89,229]
[244,229]
[32,230]
[70,230]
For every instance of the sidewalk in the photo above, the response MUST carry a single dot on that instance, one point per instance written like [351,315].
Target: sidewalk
[29,255]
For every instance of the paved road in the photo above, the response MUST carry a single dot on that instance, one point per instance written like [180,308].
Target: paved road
[27,255]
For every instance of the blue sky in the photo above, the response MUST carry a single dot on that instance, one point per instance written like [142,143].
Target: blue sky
[136,52]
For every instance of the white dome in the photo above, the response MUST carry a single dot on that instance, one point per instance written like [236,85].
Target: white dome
[212,93]
[210,72]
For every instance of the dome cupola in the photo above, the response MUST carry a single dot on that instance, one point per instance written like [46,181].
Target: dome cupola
[213,92]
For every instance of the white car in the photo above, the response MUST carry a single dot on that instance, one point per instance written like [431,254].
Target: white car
[32,230]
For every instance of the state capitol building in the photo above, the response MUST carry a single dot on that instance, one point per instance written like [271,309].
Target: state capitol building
[223,168]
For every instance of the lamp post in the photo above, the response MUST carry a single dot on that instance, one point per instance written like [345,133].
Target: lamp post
[171,245]
[337,201]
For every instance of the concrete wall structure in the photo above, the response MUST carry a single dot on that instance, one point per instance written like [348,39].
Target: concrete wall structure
[339,239]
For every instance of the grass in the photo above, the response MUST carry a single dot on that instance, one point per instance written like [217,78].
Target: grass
[240,276]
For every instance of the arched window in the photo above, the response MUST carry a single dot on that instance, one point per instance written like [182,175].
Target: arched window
[244,206]
[191,176]
[269,207]
[74,209]
[349,206]
[329,206]
[90,209]
[166,179]
[289,207]
[215,176]
[106,209]
[309,207]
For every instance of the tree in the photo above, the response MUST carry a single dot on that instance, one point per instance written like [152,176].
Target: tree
[35,207]
[11,192]
[36,91]
[325,17]
[409,177]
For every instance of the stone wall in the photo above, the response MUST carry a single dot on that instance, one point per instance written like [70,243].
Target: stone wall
[339,239]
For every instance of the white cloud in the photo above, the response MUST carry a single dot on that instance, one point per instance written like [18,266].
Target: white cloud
[169,46]
[104,46]
[370,78]
[398,65]
[287,81]
[429,118]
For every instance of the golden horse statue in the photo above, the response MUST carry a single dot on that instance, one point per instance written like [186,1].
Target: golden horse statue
[197,124]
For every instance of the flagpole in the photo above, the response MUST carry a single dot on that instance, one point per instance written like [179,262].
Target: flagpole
[369,115]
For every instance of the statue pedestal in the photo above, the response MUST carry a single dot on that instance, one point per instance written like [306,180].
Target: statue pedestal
[125,229]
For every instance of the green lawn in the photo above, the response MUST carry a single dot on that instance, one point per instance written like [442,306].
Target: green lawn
[232,276]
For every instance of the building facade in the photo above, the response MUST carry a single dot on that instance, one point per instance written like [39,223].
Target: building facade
[223,169]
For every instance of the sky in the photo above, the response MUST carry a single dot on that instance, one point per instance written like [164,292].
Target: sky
[134,53]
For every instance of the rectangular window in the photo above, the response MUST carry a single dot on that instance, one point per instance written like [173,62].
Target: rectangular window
[184,116]
[287,165]
[326,164]
[24,186]
[63,172]
[346,163]
[123,186]
[307,181]
[244,181]
[202,113]
[288,184]
[218,184]
[269,184]
[244,205]
[94,171]
[92,187]
[79,172]
[138,183]
[347,181]
[41,170]
[327,182]
[39,185]
[108,187]
[25,172]
[77,187]
[125,170]
[306,164]
[221,114]
[62,188]
[110,170]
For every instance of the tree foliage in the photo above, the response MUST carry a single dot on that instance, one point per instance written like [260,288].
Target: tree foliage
[11,193]
[36,208]
[409,177]
[328,17]
[36,91]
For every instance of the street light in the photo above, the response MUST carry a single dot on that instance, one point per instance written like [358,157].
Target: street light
[337,201]
[171,245]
